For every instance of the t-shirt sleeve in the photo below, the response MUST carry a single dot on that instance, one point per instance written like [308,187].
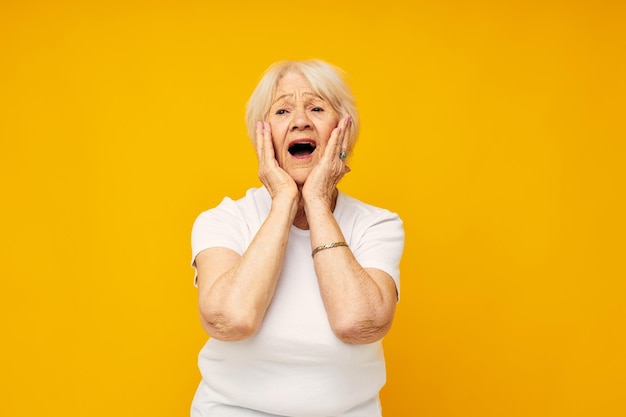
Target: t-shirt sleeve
[218,227]
[381,243]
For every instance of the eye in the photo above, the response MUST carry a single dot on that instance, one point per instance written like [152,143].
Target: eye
[281,111]
[317,109]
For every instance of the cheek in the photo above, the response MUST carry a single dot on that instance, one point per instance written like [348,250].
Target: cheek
[278,136]
[275,125]
[328,130]
[279,127]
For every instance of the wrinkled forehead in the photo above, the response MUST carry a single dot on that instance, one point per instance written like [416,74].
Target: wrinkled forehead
[297,97]
[294,86]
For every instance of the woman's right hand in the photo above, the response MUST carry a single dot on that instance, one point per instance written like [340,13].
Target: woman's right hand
[273,177]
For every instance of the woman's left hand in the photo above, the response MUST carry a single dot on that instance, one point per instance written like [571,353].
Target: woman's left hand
[323,179]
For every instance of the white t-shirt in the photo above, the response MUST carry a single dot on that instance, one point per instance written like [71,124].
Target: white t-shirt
[295,365]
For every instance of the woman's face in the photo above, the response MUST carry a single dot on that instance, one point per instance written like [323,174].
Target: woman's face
[301,122]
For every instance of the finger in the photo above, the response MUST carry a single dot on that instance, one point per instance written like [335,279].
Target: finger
[259,139]
[261,147]
[341,147]
[346,134]
[333,146]
[268,145]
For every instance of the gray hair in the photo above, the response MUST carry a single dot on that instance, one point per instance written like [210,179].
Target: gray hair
[326,80]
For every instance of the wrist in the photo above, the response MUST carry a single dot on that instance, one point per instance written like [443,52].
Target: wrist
[286,202]
[319,202]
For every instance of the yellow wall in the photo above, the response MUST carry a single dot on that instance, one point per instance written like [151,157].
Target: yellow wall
[495,128]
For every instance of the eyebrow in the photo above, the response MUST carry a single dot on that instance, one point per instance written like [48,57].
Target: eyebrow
[304,94]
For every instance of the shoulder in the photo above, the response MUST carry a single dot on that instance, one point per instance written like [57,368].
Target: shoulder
[352,209]
[375,235]
[241,217]
[232,223]
[365,225]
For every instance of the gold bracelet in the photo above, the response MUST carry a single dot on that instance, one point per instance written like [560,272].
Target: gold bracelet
[328,246]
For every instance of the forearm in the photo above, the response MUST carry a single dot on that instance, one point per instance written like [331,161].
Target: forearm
[233,304]
[359,308]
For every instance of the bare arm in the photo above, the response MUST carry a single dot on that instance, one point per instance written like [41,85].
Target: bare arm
[235,291]
[360,302]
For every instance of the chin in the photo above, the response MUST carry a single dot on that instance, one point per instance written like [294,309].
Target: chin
[300,182]
[299,178]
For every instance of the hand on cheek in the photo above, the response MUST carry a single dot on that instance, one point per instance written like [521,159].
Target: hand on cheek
[323,179]
[273,177]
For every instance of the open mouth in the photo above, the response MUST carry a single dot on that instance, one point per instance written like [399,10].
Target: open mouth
[301,149]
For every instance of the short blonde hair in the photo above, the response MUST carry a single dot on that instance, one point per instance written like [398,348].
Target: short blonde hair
[326,80]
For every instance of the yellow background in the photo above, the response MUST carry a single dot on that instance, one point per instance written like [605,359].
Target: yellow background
[495,128]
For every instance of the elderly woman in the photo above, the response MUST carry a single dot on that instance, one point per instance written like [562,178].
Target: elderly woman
[297,282]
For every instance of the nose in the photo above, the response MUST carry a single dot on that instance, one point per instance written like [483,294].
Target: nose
[300,119]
